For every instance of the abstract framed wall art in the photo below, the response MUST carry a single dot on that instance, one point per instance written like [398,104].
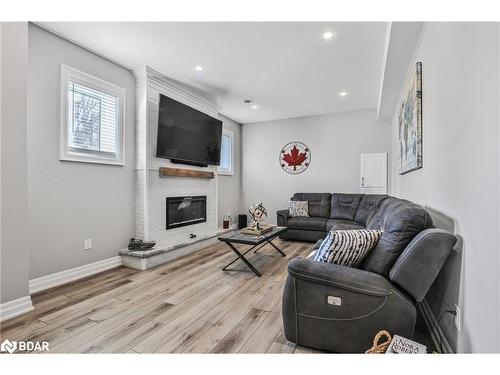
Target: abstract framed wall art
[410,124]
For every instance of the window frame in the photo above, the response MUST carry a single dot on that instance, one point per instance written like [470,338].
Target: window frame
[227,171]
[65,154]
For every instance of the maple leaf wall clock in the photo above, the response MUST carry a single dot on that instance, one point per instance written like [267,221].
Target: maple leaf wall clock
[295,157]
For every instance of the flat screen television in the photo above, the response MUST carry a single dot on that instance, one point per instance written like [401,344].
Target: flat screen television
[186,135]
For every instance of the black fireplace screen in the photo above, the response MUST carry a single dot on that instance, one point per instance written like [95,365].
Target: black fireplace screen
[183,211]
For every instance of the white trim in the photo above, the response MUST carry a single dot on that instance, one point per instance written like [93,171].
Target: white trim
[68,73]
[63,277]
[15,307]
[230,171]
[435,331]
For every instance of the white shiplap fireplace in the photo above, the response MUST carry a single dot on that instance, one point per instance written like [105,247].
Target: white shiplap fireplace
[151,190]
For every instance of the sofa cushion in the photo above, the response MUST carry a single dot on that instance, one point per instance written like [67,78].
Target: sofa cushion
[347,247]
[367,207]
[344,206]
[301,234]
[376,220]
[400,221]
[319,203]
[337,224]
[312,223]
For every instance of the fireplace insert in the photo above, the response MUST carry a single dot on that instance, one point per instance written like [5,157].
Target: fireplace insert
[188,210]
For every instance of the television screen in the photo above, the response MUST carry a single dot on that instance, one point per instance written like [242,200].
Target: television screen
[186,135]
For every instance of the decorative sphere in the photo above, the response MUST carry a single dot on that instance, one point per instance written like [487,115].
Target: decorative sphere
[257,212]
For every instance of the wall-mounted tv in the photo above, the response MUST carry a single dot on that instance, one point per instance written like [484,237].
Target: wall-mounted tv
[186,135]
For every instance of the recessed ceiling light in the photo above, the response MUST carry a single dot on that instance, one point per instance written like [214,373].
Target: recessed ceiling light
[343,93]
[198,68]
[327,35]
[254,107]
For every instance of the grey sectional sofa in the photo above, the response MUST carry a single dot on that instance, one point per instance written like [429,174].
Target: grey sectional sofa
[340,309]
[326,212]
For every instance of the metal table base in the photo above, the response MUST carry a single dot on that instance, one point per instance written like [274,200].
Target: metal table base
[255,248]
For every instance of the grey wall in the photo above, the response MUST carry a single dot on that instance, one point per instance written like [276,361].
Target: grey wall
[460,175]
[14,195]
[68,201]
[230,186]
[336,142]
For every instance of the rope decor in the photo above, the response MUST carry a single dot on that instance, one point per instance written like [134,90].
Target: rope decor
[380,348]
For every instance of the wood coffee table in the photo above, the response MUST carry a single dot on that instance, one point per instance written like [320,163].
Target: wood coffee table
[256,243]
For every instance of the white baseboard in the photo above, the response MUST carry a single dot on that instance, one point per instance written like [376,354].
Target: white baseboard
[63,277]
[14,308]
[437,335]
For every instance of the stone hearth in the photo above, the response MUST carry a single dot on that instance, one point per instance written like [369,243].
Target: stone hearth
[159,254]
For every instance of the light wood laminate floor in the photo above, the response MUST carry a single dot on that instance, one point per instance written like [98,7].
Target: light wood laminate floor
[186,306]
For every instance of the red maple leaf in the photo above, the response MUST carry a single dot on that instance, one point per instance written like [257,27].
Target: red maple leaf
[294,157]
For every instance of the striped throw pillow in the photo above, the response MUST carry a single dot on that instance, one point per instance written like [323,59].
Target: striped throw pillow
[347,247]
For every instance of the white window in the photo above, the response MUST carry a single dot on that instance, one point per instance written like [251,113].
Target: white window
[92,118]
[226,166]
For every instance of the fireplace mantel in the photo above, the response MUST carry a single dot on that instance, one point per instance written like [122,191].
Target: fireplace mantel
[181,172]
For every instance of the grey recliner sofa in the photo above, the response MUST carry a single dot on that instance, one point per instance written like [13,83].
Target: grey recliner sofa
[340,309]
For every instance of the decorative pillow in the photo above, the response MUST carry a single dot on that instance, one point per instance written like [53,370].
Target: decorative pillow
[298,208]
[347,247]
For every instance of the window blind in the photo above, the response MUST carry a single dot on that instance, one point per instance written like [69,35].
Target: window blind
[93,120]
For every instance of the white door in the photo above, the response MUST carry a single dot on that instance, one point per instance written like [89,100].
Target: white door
[374,173]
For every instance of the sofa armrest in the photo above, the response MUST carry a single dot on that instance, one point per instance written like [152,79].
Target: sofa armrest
[325,305]
[282,217]
[337,276]
[419,264]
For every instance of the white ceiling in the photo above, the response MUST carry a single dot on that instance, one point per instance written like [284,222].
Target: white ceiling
[288,69]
